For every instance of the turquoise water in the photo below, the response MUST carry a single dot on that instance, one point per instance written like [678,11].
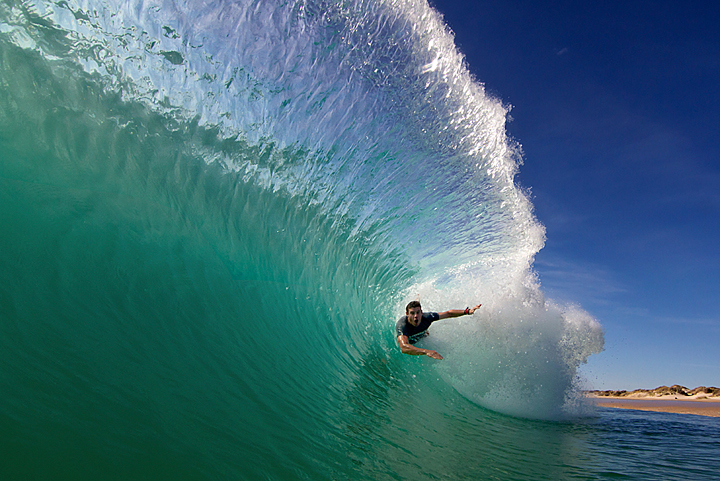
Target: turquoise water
[212,215]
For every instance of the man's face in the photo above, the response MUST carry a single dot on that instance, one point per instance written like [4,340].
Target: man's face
[414,315]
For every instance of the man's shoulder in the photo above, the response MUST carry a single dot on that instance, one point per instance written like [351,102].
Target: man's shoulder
[401,326]
[431,316]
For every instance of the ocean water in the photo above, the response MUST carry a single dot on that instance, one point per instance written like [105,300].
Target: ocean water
[211,215]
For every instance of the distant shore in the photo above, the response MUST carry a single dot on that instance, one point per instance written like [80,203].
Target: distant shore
[701,401]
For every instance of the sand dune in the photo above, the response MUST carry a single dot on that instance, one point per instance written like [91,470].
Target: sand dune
[663,392]
[701,401]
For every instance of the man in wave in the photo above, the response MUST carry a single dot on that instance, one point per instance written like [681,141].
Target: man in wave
[413,326]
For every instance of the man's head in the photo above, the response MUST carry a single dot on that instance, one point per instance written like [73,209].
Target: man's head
[413,311]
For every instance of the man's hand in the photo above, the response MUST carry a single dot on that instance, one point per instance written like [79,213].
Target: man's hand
[434,355]
[473,309]
[408,348]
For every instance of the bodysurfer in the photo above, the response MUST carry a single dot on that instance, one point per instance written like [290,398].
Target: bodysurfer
[413,326]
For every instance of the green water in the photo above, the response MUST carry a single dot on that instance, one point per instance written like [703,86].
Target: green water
[205,244]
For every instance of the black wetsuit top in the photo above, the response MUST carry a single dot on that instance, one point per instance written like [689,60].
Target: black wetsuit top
[415,333]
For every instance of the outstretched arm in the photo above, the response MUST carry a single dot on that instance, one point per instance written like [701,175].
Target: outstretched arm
[458,312]
[408,348]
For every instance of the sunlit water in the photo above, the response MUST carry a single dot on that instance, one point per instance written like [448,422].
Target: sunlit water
[212,215]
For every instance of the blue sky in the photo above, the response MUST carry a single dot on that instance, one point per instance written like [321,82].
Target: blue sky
[617,107]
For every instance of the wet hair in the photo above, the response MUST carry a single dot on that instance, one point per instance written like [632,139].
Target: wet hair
[412,304]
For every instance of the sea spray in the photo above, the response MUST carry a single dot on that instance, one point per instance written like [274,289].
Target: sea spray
[519,353]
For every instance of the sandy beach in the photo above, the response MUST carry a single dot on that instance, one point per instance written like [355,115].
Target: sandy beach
[697,404]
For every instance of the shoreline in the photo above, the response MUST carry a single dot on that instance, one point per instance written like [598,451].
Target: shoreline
[695,405]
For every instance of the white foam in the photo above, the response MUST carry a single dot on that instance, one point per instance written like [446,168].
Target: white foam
[519,353]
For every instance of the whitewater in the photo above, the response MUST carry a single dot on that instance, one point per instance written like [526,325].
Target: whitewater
[212,215]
